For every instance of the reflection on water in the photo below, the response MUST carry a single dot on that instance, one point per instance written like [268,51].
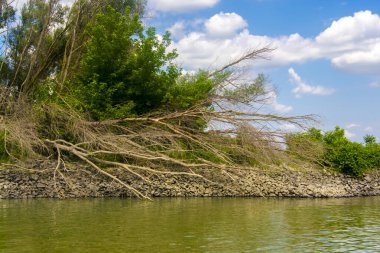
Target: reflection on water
[191,225]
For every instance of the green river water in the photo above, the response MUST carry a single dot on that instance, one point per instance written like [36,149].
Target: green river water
[191,225]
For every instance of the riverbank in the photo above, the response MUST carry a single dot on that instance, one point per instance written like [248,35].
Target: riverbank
[243,183]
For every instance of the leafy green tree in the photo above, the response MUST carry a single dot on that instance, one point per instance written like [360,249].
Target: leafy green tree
[344,155]
[125,69]
[34,45]
[369,139]
[336,137]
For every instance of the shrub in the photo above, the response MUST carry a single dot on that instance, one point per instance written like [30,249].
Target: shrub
[373,155]
[350,158]
[337,151]
[344,155]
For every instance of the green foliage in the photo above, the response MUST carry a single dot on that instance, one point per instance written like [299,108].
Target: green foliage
[369,139]
[34,45]
[125,69]
[189,90]
[373,155]
[311,134]
[349,158]
[339,152]
[335,138]
[46,91]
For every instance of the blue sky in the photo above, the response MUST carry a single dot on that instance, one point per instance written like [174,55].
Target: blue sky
[327,57]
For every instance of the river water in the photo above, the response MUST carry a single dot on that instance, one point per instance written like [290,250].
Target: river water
[191,225]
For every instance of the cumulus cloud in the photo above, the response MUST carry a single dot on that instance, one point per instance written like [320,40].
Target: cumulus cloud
[225,24]
[304,88]
[362,26]
[180,5]
[360,61]
[351,44]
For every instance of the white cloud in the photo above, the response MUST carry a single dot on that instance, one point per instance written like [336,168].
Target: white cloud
[360,61]
[363,25]
[272,101]
[199,50]
[349,134]
[225,24]
[352,125]
[304,88]
[351,43]
[368,129]
[177,30]
[180,5]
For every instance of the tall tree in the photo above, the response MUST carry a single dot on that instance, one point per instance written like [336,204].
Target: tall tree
[124,68]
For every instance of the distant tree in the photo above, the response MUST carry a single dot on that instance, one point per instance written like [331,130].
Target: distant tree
[369,139]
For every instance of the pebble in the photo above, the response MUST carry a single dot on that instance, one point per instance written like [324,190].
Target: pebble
[255,183]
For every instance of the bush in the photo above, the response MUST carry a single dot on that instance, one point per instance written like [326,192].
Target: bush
[373,155]
[344,155]
[350,158]
[338,152]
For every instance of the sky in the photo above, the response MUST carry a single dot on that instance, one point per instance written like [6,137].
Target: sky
[326,59]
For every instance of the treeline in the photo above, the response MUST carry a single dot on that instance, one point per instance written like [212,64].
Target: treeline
[334,150]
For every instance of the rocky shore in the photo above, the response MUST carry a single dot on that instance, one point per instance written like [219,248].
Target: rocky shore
[248,183]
